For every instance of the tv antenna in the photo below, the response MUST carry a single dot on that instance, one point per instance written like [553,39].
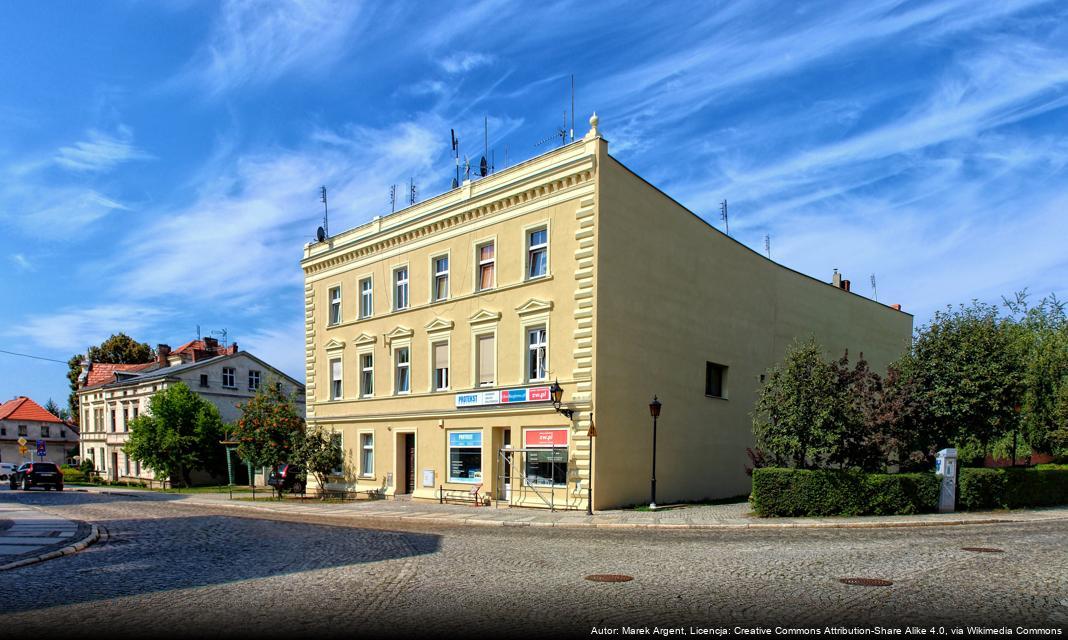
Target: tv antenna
[456,154]
[411,191]
[572,107]
[222,333]
[198,332]
[723,216]
[560,133]
[393,198]
[767,245]
[874,291]
[326,211]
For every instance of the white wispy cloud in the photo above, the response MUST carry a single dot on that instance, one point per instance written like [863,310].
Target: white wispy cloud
[254,43]
[465,61]
[74,328]
[99,151]
[21,262]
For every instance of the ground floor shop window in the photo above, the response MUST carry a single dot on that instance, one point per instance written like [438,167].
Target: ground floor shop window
[546,457]
[465,456]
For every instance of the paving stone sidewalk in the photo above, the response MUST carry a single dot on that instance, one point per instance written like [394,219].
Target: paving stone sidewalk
[28,533]
[721,516]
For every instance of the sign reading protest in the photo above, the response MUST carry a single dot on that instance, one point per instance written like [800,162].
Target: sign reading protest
[502,396]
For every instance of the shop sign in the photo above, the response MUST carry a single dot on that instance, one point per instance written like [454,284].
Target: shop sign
[502,396]
[545,437]
[465,438]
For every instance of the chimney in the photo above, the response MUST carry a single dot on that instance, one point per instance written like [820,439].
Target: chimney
[163,351]
[895,307]
[836,279]
[211,344]
[845,284]
[233,348]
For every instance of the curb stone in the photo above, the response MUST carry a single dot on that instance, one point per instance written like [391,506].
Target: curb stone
[71,549]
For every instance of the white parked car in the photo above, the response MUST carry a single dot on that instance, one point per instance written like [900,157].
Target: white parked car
[6,469]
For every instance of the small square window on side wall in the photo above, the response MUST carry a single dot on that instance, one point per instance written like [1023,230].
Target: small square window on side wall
[715,380]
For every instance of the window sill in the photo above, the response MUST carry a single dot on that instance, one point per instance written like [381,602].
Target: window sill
[716,397]
[230,388]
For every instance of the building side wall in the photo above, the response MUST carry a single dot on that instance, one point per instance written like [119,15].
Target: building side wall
[673,294]
[60,440]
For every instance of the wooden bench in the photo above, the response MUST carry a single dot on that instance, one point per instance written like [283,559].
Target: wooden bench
[460,495]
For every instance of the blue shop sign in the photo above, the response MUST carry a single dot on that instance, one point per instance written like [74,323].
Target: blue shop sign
[465,438]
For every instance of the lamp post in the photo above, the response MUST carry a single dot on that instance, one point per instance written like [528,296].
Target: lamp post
[654,410]
[589,487]
[557,393]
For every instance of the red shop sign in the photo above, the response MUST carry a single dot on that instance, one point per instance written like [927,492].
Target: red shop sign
[546,438]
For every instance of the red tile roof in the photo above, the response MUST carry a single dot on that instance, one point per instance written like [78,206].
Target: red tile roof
[22,408]
[104,372]
[200,345]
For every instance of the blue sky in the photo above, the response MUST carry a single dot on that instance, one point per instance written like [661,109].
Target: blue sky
[160,161]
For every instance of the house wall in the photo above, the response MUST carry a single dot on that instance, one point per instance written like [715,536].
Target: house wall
[60,440]
[673,293]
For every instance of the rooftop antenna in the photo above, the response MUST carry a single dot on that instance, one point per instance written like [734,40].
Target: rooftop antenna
[198,332]
[393,198]
[411,190]
[560,133]
[767,245]
[456,154]
[874,291]
[326,211]
[723,216]
[506,156]
[572,107]
[222,333]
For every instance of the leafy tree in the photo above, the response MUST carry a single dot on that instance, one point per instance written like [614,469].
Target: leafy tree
[118,349]
[319,452]
[1042,338]
[968,374]
[180,433]
[857,443]
[269,427]
[53,408]
[798,408]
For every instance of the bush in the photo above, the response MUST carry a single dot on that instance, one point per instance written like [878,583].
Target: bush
[801,492]
[72,474]
[86,466]
[1012,488]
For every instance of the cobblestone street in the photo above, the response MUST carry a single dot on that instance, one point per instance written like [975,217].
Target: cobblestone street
[167,568]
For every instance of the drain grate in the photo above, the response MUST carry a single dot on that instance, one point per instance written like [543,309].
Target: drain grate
[609,577]
[982,549]
[866,582]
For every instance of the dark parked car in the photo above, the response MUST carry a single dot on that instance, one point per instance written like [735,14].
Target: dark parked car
[37,474]
[286,477]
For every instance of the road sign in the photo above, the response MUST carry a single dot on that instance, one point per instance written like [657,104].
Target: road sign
[22,449]
[22,442]
[41,448]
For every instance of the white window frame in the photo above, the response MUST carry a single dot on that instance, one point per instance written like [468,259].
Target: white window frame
[333,319]
[476,378]
[397,285]
[337,386]
[527,330]
[364,393]
[367,297]
[254,374]
[233,377]
[434,387]
[397,367]
[364,471]
[529,248]
[479,263]
[435,274]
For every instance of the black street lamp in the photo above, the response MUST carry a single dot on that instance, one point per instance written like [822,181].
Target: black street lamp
[654,410]
[557,393]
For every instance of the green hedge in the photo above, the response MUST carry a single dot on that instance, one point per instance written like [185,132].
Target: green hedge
[72,474]
[1011,488]
[826,492]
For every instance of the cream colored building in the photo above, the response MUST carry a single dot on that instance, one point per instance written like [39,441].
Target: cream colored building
[111,396]
[433,335]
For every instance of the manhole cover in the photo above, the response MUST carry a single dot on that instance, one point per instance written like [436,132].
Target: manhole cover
[983,549]
[609,577]
[866,582]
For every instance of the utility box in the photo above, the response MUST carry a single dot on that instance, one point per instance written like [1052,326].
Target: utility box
[946,468]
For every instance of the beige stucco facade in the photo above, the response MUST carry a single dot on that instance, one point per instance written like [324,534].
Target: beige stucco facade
[637,295]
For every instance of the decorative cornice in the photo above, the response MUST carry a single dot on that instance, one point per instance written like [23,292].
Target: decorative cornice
[437,325]
[334,345]
[538,192]
[484,316]
[534,305]
[364,339]
[399,333]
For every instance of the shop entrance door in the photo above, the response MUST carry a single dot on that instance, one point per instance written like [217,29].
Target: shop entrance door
[409,462]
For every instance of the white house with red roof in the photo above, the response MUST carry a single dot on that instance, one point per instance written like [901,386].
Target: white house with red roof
[112,395]
[21,417]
